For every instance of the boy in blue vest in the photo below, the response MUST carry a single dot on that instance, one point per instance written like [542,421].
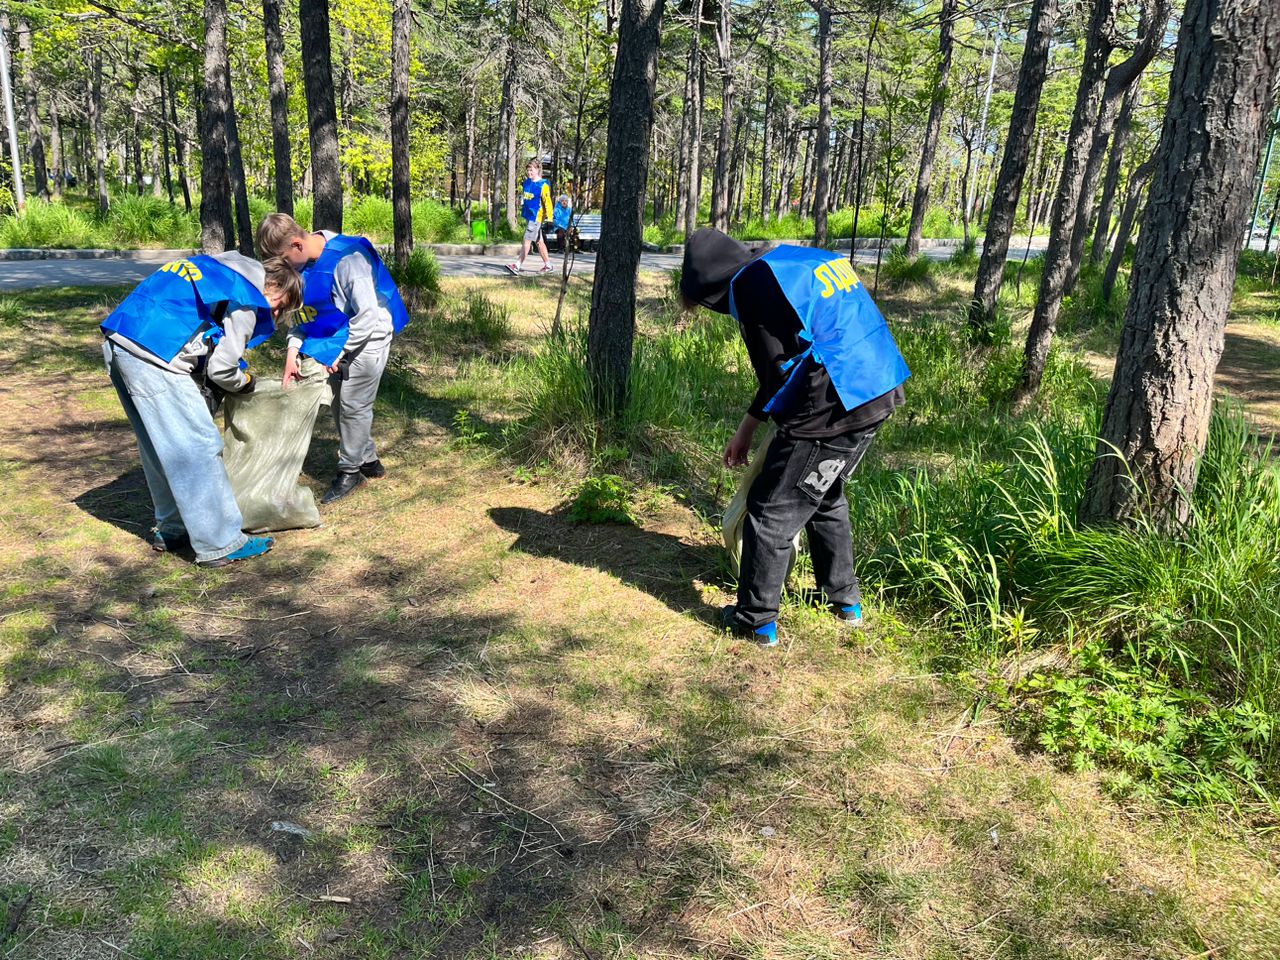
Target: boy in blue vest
[828,382]
[180,335]
[535,209]
[353,311]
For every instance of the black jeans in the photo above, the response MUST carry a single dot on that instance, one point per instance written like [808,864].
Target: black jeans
[801,487]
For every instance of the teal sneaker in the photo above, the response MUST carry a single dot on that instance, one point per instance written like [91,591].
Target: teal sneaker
[765,636]
[850,615]
[253,547]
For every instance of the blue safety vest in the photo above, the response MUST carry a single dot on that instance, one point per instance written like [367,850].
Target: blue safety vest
[844,329]
[326,329]
[180,299]
[533,192]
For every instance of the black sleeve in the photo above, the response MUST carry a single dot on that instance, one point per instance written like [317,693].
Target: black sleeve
[765,349]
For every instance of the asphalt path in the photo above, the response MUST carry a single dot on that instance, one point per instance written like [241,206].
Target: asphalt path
[33,274]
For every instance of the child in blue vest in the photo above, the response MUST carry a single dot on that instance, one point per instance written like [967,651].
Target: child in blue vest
[536,210]
[828,382]
[353,311]
[180,334]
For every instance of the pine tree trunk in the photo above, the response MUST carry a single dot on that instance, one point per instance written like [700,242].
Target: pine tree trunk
[164,137]
[95,127]
[1123,233]
[720,198]
[469,158]
[55,148]
[929,149]
[1097,99]
[239,188]
[766,143]
[322,117]
[281,147]
[1111,182]
[179,150]
[217,231]
[503,160]
[693,202]
[862,135]
[1158,409]
[1017,146]
[822,148]
[401,15]
[35,133]
[611,330]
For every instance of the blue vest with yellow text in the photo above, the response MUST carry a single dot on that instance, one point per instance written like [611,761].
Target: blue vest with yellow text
[326,328]
[168,308]
[843,327]
[534,191]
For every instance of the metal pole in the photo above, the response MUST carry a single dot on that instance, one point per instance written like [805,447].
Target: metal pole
[1262,179]
[6,91]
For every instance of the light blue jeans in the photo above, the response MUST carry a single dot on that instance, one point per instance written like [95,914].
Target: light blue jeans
[181,451]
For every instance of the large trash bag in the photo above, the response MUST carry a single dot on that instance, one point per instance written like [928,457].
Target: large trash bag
[265,441]
[735,515]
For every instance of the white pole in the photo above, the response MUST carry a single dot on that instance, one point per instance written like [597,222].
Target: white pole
[6,91]
[970,200]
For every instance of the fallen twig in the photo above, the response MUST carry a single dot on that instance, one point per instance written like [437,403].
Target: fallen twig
[15,916]
[500,798]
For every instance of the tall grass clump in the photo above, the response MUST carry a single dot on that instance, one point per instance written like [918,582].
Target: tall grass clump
[1088,311]
[476,319]
[303,212]
[904,271]
[435,222]
[419,279]
[790,227]
[370,217]
[141,221]
[49,225]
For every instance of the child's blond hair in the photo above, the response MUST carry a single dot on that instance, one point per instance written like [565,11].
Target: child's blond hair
[276,232]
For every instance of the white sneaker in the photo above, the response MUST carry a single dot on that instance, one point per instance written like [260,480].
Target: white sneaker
[514,269]
[546,268]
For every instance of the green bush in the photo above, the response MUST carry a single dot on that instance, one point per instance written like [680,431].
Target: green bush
[49,225]
[904,271]
[370,217]
[142,221]
[435,222]
[603,499]
[302,212]
[476,319]
[421,274]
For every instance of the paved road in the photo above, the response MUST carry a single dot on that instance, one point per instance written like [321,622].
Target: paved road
[31,274]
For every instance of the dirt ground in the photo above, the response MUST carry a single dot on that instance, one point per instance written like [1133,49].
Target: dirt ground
[451,723]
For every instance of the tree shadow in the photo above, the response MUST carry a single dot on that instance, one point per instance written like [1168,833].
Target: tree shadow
[661,564]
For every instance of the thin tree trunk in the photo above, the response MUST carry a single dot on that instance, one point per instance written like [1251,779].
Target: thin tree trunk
[822,148]
[469,158]
[244,220]
[862,134]
[693,202]
[217,231]
[281,146]
[502,169]
[1161,397]
[1096,101]
[11,124]
[1110,183]
[179,150]
[986,104]
[929,149]
[1022,127]
[55,148]
[401,15]
[35,133]
[322,118]
[1127,218]
[611,330]
[95,125]
[766,143]
[137,150]
[164,137]
[720,198]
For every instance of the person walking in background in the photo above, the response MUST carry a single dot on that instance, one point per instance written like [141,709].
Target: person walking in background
[173,344]
[353,311]
[535,210]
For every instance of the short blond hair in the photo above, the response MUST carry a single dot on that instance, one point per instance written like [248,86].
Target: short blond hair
[276,232]
[286,281]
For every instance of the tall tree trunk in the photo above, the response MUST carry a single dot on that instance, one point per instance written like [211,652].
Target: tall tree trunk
[611,329]
[720,198]
[920,204]
[1111,182]
[1096,101]
[503,160]
[35,132]
[95,126]
[986,107]
[469,154]
[401,15]
[1022,127]
[10,123]
[693,202]
[239,188]
[56,160]
[862,134]
[822,147]
[322,117]
[137,148]
[164,137]
[179,150]
[281,147]
[767,140]
[1137,182]
[216,229]
[1158,409]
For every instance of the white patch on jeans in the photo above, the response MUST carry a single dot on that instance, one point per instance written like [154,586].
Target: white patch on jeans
[820,480]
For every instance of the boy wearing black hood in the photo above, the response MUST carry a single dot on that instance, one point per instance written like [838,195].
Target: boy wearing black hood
[827,409]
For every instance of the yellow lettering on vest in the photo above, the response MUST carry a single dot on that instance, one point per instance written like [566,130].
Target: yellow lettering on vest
[846,278]
[308,314]
[183,268]
[823,273]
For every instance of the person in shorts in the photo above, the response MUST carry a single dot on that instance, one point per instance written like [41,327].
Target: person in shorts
[535,210]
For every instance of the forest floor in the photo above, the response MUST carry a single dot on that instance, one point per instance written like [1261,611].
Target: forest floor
[451,723]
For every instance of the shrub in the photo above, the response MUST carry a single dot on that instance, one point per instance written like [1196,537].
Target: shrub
[435,222]
[302,212]
[604,499]
[45,224]
[477,319]
[904,271]
[148,220]
[371,217]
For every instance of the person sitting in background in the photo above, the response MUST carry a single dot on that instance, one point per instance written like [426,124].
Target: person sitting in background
[178,338]
[830,374]
[353,310]
[562,217]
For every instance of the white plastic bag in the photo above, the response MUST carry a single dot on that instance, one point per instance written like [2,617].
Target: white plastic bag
[735,515]
[265,441]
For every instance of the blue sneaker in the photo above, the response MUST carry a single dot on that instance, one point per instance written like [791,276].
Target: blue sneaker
[850,615]
[766,636]
[169,542]
[253,547]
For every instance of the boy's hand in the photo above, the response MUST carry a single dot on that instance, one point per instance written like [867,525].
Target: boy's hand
[737,452]
[291,372]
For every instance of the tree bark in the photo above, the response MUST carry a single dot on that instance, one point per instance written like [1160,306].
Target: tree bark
[322,117]
[179,151]
[281,147]
[403,211]
[720,198]
[611,328]
[239,188]
[95,126]
[693,201]
[767,139]
[35,133]
[55,148]
[216,229]
[1022,127]
[469,154]
[1097,97]
[929,149]
[822,148]
[164,137]
[1158,410]
[862,133]
[503,170]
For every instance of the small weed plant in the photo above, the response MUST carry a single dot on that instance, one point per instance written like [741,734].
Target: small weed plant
[602,499]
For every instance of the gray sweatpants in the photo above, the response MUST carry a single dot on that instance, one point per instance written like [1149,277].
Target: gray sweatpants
[353,405]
